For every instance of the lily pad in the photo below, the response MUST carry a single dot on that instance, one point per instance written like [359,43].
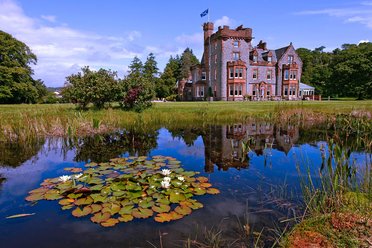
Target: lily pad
[163,217]
[84,201]
[161,208]
[182,209]
[128,187]
[142,213]
[78,212]
[100,217]
[125,218]
[110,222]
[176,197]
[35,197]
[213,191]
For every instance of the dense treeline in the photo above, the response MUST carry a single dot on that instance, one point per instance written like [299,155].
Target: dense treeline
[345,72]
[16,82]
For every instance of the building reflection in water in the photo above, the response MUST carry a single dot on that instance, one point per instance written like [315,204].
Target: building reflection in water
[227,146]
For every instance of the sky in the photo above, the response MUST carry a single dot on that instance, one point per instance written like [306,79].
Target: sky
[67,35]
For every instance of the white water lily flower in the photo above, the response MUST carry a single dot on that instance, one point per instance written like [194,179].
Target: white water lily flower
[64,178]
[166,179]
[165,184]
[78,175]
[165,172]
[181,179]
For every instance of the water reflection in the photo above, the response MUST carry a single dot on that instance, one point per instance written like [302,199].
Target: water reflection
[222,149]
[104,147]
[228,146]
[14,154]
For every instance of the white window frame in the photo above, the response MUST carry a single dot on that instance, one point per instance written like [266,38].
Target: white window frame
[253,74]
[203,76]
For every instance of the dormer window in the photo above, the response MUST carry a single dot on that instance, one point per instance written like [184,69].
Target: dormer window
[255,58]
[290,59]
[204,76]
[236,56]
[269,59]
[236,43]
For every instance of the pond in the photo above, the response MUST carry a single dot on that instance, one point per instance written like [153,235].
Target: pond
[256,166]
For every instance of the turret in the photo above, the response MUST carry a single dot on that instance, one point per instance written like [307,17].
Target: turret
[208,30]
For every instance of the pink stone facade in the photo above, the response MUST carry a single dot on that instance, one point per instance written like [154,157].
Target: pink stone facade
[232,69]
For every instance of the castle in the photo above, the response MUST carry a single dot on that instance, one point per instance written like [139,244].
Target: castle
[232,69]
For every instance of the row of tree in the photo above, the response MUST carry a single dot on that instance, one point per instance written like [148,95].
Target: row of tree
[345,72]
[143,83]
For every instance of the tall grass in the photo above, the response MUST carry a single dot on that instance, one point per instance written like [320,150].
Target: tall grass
[25,121]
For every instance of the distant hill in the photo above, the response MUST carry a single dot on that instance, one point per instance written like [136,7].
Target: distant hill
[54,89]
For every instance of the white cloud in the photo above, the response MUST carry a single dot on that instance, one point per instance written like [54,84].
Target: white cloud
[192,39]
[224,20]
[361,14]
[49,18]
[363,41]
[62,50]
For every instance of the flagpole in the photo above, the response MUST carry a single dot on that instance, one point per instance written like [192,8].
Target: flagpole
[209,64]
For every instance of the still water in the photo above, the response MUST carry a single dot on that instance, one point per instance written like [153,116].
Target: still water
[255,165]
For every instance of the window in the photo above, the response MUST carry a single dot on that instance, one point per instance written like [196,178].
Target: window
[231,74]
[236,72]
[290,59]
[199,91]
[255,74]
[231,89]
[292,91]
[215,74]
[215,58]
[268,92]
[285,90]
[240,73]
[236,56]
[204,75]
[236,90]
[254,91]
[286,75]
[215,45]
[293,75]
[236,43]
[269,59]
[255,58]
[268,75]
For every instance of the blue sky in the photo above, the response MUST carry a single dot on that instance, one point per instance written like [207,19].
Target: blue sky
[66,35]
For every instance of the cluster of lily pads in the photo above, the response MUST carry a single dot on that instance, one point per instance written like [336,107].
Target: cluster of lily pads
[127,188]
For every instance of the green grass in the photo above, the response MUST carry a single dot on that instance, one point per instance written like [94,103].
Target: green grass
[61,119]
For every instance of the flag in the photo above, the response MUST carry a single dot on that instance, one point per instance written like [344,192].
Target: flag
[205,12]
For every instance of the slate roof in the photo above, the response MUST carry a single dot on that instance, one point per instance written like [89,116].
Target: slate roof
[279,52]
[305,86]
[262,55]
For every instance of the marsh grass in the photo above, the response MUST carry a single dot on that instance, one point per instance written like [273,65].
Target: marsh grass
[25,121]
[338,200]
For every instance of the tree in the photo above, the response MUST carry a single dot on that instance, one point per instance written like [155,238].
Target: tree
[97,87]
[137,90]
[351,73]
[16,82]
[150,69]
[188,59]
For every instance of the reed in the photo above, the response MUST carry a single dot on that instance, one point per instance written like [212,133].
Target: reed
[24,121]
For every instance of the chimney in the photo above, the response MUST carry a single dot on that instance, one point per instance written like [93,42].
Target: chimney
[262,45]
[208,30]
